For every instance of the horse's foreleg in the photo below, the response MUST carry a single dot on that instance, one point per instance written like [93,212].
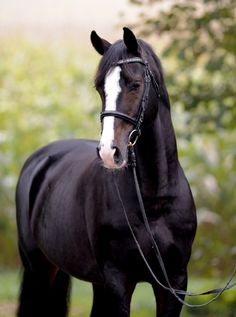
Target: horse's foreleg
[167,304]
[112,300]
[99,301]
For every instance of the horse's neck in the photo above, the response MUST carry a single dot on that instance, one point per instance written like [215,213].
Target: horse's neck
[157,158]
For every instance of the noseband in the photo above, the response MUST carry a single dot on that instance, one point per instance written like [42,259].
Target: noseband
[138,119]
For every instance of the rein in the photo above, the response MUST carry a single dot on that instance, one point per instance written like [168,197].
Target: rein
[175,292]
[133,137]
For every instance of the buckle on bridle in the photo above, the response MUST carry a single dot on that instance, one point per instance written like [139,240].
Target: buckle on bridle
[133,137]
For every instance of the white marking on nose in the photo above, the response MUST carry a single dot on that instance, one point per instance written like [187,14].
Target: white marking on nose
[112,89]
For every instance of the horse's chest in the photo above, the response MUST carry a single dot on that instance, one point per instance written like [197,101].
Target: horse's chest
[120,241]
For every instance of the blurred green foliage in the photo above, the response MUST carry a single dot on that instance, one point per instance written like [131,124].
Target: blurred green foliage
[197,46]
[46,93]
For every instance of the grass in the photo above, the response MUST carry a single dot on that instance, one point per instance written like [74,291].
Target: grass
[81,299]
[143,304]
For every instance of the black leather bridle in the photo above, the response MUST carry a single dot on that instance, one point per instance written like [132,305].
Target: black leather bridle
[138,119]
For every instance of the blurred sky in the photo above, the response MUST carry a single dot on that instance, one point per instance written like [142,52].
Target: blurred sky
[60,19]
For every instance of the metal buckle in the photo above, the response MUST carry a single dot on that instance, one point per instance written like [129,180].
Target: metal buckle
[133,134]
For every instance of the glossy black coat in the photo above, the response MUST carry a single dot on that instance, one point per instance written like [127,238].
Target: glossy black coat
[70,220]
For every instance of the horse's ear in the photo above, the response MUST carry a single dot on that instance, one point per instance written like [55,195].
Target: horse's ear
[130,41]
[100,45]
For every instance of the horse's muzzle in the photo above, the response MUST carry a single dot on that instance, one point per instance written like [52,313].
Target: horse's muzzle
[111,156]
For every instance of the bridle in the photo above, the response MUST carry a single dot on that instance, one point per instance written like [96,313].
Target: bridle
[138,119]
[133,137]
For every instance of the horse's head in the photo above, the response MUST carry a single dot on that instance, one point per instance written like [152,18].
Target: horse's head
[124,81]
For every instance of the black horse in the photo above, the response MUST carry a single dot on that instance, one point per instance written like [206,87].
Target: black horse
[71,196]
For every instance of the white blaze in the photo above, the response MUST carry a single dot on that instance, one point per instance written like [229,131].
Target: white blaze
[112,89]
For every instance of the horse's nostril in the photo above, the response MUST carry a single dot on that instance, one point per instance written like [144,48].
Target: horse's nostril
[117,155]
[98,150]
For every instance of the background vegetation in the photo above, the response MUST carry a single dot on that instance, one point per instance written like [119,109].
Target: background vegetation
[198,49]
[46,93]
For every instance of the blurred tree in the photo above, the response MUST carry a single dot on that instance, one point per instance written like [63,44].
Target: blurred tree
[210,164]
[197,44]
[44,96]
[201,36]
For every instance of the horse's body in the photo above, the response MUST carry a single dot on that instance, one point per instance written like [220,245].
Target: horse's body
[70,218]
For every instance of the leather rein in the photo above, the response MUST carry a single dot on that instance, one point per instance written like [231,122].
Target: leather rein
[133,137]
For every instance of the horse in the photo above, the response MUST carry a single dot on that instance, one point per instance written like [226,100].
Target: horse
[71,196]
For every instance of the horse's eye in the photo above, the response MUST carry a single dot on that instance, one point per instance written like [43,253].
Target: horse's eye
[134,86]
